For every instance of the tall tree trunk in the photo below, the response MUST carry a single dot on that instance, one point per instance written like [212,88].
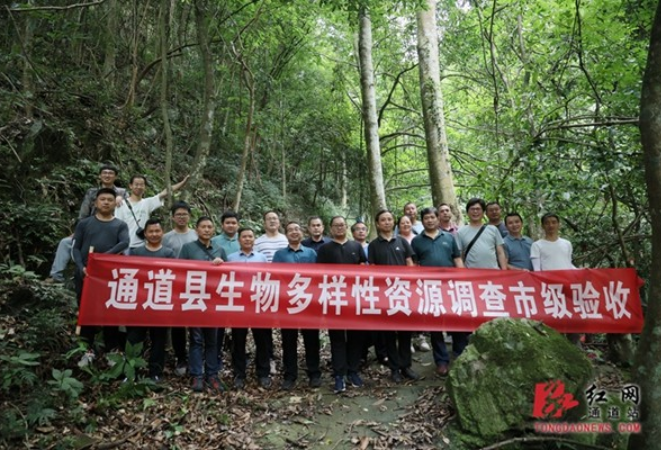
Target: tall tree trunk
[28,70]
[209,100]
[165,107]
[130,98]
[438,155]
[377,190]
[648,357]
[247,143]
[110,54]
[344,195]
[249,140]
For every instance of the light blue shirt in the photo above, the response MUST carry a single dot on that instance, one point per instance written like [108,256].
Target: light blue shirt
[253,257]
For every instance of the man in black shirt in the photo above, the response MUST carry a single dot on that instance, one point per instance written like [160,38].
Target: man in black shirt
[391,250]
[346,345]
[316,231]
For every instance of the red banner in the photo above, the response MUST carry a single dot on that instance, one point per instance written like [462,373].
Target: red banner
[121,290]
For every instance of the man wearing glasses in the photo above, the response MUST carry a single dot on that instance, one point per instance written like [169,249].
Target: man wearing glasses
[179,236]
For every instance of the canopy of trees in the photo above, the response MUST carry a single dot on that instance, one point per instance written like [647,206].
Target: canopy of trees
[261,102]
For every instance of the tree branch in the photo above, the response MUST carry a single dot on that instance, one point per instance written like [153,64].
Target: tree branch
[392,91]
[56,8]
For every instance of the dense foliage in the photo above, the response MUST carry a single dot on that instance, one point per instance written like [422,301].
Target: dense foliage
[541,105]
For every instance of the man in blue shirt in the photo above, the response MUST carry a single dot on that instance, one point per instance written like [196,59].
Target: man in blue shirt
[517,246]
[436,248]
[261,336]
[204,341]
[228,239]
[295,252]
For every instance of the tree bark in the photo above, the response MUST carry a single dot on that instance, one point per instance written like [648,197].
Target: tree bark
[165,106]
[648,357]
[249,139]
[377,190]
[438,155]
[28,81]
[209,100]
[110,54]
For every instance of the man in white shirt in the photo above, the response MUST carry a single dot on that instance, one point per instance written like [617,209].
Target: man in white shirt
[552,252]
[136,209]
[272,240]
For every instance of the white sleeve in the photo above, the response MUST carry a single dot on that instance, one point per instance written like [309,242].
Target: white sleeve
[535,257]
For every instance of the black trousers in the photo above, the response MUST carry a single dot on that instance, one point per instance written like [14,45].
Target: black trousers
[179,340]
[347,350]
[378,340]
[158,337]
[290,353]
[113,339]
[398,347]
[239,361]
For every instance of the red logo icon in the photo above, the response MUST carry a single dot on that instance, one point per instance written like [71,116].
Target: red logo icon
[551,400]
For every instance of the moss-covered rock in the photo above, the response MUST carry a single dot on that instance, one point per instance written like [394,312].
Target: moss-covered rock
[492,384]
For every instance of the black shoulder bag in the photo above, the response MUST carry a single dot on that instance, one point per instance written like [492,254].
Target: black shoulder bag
[470,245]
[140,232]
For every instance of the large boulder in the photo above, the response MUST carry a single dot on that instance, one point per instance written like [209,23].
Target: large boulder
[492,384]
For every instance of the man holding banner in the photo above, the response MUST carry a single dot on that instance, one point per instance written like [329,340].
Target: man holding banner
[392,250]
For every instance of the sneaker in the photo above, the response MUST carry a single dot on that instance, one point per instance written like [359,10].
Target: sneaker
[198,384]
[442,369]
[265,382]
[54,280]
[181,368]
[355,380]
[315,382]
[215,385]
[239,383]
[422,344]
[410,374]
[396,376]
[288,385]
[86,359]
[339,385]
[274,368]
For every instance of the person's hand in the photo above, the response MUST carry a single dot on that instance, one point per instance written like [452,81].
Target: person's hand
[217,261]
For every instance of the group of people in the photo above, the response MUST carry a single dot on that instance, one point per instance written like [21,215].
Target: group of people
[113,222]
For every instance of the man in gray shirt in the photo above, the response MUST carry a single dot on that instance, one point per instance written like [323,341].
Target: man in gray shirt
[179,236]
[481,245]
[101,233]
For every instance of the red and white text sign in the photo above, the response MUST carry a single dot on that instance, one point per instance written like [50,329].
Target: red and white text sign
[129,290]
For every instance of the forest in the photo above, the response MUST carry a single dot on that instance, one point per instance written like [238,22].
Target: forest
[328,107]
